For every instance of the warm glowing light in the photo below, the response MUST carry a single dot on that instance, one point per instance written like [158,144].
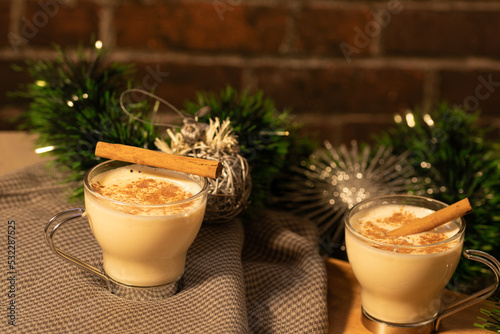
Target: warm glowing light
[428,119]
[98,45]
[274,133]
[70,103]
[410,120]
[41,83]
[44,149]
[398,119]
[425,164]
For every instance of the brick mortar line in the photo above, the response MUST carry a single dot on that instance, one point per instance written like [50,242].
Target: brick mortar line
[451,6]
[291,28]
[431,90]
[228,3]
[6,53]
[465,64]
[16,10]
[414,5]
[429,64]
[266,3]
[349,4]
[106,29]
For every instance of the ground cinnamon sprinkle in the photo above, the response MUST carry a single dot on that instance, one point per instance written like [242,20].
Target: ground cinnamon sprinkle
[376,231]
[145,191]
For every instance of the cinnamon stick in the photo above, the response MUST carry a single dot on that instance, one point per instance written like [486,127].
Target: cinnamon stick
[435,219]
[141,156]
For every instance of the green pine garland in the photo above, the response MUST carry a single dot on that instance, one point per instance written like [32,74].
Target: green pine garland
[457,160]
[269,139]
[492,322]
[74,103]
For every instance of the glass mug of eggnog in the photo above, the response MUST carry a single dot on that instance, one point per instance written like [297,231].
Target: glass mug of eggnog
[144,219]
[402,278]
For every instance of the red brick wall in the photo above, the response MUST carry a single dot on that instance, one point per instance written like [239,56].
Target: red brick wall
[345,67]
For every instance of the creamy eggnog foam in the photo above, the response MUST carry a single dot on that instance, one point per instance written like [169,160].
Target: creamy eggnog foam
[401,278]
[144,222]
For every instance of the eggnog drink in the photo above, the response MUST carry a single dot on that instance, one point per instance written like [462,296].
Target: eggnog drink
[144,219]
[401,278]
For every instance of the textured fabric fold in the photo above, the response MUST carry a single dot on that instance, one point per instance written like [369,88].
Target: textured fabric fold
[261,276]
[284,275]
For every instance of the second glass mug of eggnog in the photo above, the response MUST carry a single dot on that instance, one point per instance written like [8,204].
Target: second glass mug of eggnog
[402,278]
[144,219]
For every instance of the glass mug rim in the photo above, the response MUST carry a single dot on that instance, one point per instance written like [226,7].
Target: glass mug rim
[394,198]
[113,164]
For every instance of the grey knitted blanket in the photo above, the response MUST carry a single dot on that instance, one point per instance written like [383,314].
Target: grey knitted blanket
[258,276]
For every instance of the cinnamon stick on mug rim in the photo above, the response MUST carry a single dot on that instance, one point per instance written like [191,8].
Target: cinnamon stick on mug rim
[435,219]
[179,163]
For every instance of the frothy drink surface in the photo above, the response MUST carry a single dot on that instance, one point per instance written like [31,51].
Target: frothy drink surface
[144,185]
[401,278]
[143,232]
[376,222]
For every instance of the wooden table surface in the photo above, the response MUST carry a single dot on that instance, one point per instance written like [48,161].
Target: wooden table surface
[344,306]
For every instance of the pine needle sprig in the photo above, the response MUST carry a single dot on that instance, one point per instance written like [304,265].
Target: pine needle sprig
[269,139]
[74,103]
[492,322]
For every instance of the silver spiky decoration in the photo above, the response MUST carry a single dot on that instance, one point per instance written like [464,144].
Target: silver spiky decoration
[229,193]
[334,180]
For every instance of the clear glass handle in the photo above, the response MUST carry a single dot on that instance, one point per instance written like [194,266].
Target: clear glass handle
[489,261]
[50,229]
[138,293]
